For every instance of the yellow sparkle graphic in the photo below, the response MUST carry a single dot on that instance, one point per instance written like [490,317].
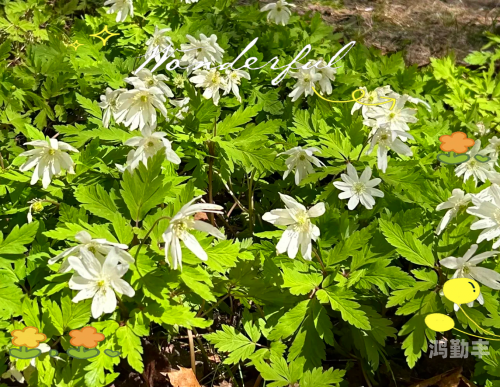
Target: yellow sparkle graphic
[77,45]
[104,40]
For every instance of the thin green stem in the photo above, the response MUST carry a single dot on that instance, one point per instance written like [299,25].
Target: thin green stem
[149,232]
[250,202]
[215,305]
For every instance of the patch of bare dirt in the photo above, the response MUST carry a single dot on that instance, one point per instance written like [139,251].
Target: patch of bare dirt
[421,28]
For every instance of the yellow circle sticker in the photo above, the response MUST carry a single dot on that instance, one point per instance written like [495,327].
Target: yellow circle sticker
[439,322]
[461,290]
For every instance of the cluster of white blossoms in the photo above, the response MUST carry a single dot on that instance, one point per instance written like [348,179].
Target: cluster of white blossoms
[200,54]
[279,12]
[486,207]
[136,109]
[98,267]
[389,127]
[480,170]
[309,76]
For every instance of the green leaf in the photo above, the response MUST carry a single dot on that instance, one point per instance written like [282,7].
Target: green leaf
[123,229]
[131,347]
[31,314]
[319,378]
[11,297]
[165,313]
[75,315]
[91,107]
[18,237]
[340,300]
[289,322]
[96,200]
[300,283]
[229,340]
[193,277]
[407,244]
[222,256]
[144,189]
[232,122]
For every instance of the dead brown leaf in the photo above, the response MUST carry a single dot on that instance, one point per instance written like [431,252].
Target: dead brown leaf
[439,379]
[200,216]
[452,380]
[183,378]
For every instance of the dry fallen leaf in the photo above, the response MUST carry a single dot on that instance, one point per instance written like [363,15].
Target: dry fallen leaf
[452,380]
[442,378]
[200,216]
[183,378]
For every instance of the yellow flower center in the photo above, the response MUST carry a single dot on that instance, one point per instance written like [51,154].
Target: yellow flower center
[216,78]
[278,8]
[150,144]
[359,188]
[52,152]
[37,207]
[101,283]
[307,78]
[151,81]
[303,222]
[392,115]
[92,249]
[144,98]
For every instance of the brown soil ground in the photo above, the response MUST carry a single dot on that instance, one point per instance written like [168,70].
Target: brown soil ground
[421,28]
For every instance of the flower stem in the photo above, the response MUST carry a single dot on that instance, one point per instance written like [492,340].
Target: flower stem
[149,232]
[250,202]
[211,152]
[323,268]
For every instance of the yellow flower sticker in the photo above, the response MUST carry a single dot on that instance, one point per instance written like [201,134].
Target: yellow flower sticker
[28,337]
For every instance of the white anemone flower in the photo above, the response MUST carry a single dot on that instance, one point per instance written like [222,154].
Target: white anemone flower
[122,8]
[137,106]
[300,230]
[36,206]
[48,158]
[306,80]
[371,97]
[179,227]
[481,129]
[148,144]
[472,167]
[389,139]
[279,12]
[493,148]
[146,78]
[159,43]
[466,267]
[489,213]
[201,50]
[454,204]
[13,374]
[395,119]
[301,161]
[233,80]
[212,81]
[99,281]
[327,76]
[99,247]
[183,104]
[411,99]
[109,103]
[358,189]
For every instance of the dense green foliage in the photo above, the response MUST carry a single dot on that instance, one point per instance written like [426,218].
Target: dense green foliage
[288,319]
